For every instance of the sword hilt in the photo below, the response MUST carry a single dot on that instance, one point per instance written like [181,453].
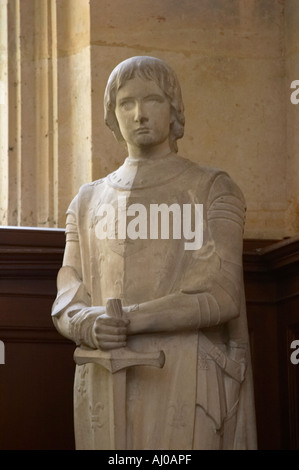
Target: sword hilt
[121,358]
[114,308]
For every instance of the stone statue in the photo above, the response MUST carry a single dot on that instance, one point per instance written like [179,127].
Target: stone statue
[163,360]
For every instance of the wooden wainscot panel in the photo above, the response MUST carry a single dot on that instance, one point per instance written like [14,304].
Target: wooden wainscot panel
[271,274]
[36,381]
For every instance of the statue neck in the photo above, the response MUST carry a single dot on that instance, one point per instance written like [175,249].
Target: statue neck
[140,173]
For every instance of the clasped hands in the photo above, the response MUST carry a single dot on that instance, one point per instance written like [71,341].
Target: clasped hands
[173,313]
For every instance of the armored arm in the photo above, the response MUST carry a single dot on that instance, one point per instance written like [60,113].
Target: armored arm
[212,284]
[73,314]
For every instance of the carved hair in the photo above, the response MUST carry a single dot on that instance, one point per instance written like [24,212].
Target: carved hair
[148,68]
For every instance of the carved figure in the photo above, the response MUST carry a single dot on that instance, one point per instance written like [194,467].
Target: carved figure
[184,304]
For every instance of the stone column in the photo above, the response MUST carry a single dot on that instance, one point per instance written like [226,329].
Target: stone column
[74,151]
[47,133]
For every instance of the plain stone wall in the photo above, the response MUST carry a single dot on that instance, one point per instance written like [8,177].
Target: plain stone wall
[235,61]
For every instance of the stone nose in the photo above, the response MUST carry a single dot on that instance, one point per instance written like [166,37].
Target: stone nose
[140,113]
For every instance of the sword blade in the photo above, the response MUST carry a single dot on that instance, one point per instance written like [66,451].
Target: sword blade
[118,427]
[118,410]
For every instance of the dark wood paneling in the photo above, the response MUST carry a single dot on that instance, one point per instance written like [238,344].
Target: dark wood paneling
[36,382]
[271,274]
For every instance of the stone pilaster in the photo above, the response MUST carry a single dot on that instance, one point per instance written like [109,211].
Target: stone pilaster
[48,124]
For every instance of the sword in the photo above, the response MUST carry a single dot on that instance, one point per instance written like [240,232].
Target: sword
[116,362]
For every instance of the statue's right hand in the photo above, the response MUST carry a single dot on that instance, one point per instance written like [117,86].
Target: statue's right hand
[110,332]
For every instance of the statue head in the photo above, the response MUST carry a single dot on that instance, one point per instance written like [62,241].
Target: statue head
[146,68]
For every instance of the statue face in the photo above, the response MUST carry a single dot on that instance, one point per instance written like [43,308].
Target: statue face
[143,113]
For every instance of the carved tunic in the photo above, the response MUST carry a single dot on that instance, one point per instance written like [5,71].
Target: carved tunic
[202,397]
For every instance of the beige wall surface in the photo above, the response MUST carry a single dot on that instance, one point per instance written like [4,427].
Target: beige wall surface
[235,61]
[292,123]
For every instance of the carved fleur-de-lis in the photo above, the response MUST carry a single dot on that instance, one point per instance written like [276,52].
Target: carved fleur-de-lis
[177,412]
[97,415]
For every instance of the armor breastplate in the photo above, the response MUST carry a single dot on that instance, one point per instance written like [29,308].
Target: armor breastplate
[138,269]
[135,266]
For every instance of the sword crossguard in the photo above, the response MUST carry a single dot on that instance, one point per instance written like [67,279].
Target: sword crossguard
[118,359]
